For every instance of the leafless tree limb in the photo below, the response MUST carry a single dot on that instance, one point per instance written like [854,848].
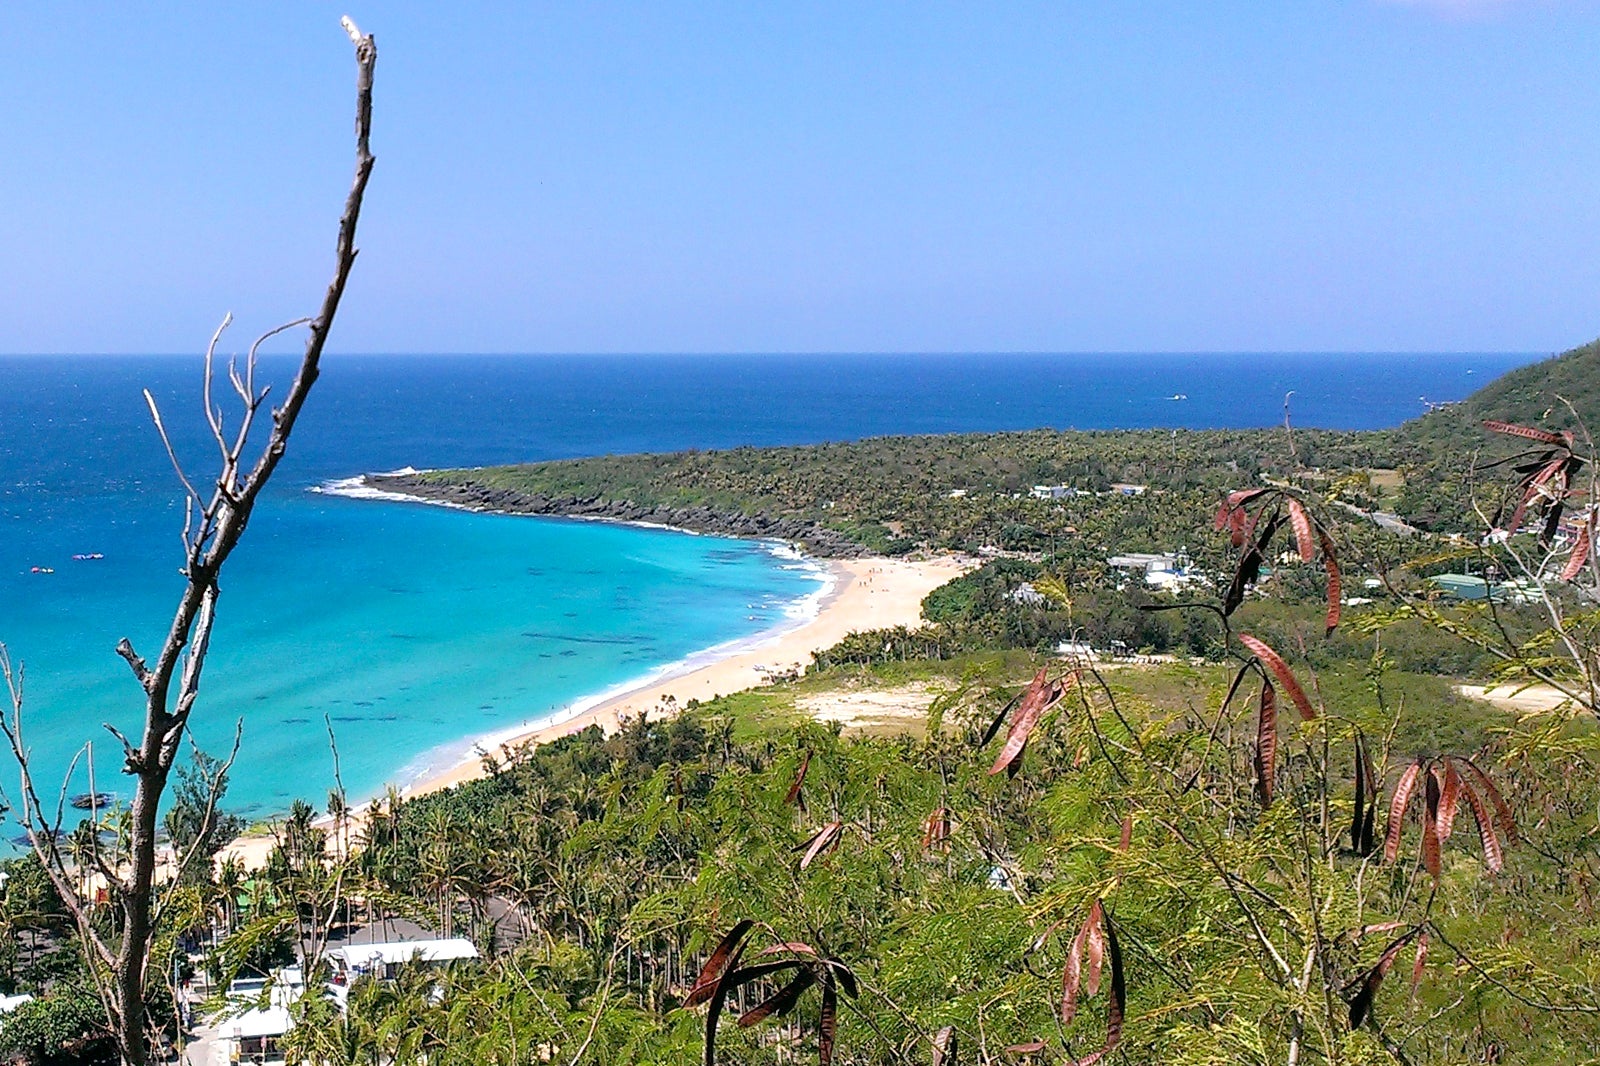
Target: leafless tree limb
[213,528]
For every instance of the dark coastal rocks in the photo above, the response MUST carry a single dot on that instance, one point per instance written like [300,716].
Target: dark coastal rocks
[815,539]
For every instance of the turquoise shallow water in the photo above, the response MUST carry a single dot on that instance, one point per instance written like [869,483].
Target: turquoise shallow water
[409,628]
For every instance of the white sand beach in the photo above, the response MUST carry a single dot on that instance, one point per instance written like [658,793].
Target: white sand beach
[869,593]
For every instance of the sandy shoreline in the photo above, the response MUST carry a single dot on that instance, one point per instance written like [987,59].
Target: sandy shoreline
[868,593]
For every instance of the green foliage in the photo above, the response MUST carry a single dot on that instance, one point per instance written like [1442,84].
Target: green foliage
[1533,395]
[890,494]
[625,858]
[196,822]
[31,914]
[66,1027]
[1442,449]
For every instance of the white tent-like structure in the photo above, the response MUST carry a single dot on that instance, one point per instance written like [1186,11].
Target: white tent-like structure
[383,961]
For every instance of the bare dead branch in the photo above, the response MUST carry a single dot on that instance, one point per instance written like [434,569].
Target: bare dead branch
[214,414]
[212,529]
[140,670]
[45,846]
[166,442]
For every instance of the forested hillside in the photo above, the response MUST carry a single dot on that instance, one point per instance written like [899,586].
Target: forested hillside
[1448,452]
[1534,395]
[958,491]
[892,494]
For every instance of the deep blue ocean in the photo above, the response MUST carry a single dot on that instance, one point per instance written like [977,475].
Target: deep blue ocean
[414,629]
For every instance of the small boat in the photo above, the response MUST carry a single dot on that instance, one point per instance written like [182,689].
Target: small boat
[1179,396]
[42,570]
[87,557]
[85,800]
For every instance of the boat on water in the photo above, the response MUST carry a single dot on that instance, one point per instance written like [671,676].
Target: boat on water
[42,570]
[87,557]
[1179,396]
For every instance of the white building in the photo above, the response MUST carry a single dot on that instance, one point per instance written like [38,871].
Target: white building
[246,1030]
[1167,571]
[249,1031]
[1027,595]
[11,1003]
[383,961]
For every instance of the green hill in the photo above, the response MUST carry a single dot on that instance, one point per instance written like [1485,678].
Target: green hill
[973,490]
[1441,450]
[1531,395]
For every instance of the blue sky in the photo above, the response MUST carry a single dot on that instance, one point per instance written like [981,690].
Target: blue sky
[1359,175]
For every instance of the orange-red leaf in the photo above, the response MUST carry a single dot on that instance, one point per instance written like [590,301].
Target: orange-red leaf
[1096,945]
[1302,530]
[1090,940]
[1117,1008]
[1430,824]
[1040,697]
[1502,809]
[1231,510]
[936,828]
[1127,832]
[799,780]
[1266,744]
[1535,488]
[1072,975]
[1449,800]
[1280,669]
[1528,432]
[1238,527]
[717,965]
[1250,560]
[1376,927]
[782,1001]
[1361,1006]
[1420,962]
[819,842]
[1397,810]
[1580,551]
[1330,563]
[827,1021]
[1493,859]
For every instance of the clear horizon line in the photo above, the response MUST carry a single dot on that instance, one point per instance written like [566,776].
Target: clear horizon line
[781,353]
